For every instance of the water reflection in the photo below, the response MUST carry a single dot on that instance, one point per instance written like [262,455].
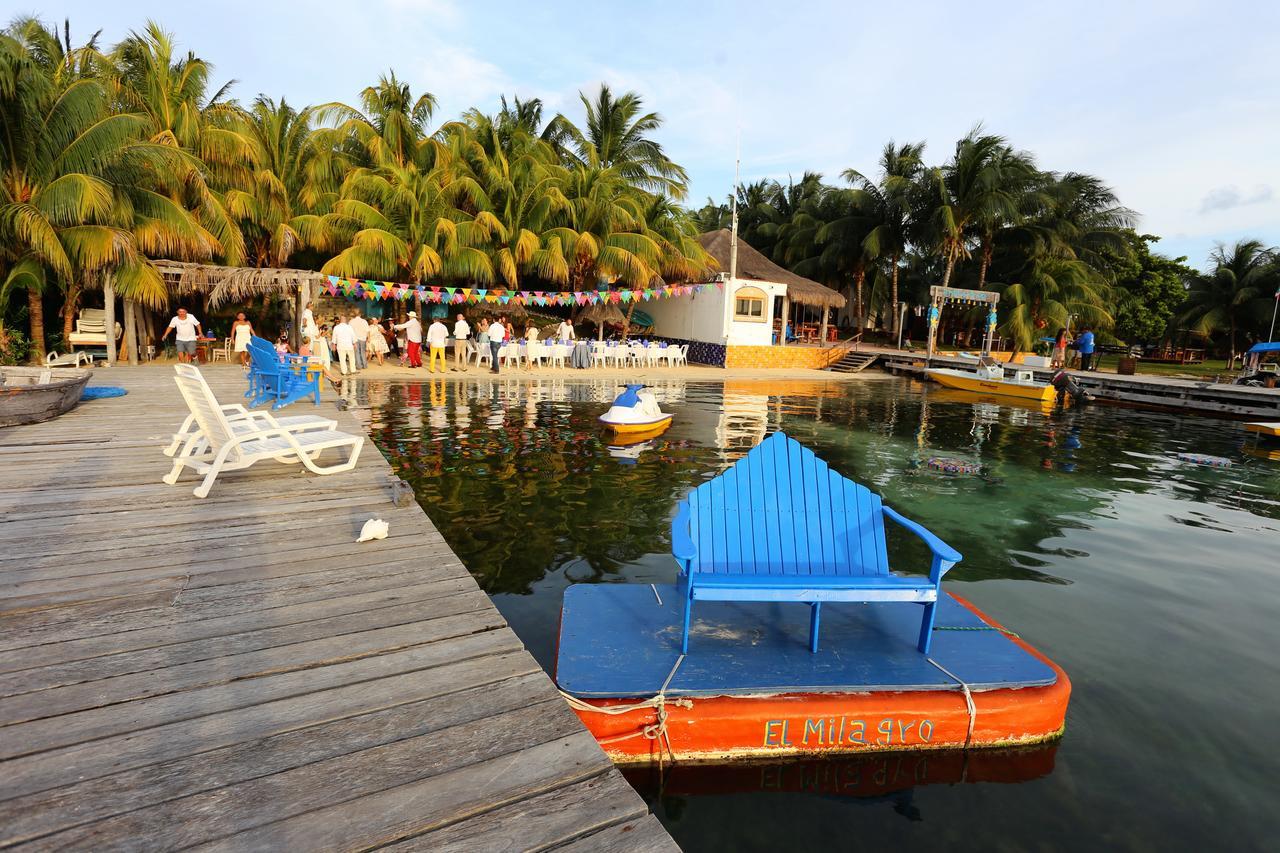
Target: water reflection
[523,482]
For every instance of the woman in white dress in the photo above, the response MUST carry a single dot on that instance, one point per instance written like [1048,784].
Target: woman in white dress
[241,331]
[377,345]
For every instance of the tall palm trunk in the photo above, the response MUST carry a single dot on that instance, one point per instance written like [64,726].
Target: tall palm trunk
[69,308]
[131,332]
[35,309]
[988,248]
[626,328]
[109,315]
[859,278]
[951,265]
[893,291]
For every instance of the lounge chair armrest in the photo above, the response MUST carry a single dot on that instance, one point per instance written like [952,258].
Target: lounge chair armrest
[944,556]
[682,547]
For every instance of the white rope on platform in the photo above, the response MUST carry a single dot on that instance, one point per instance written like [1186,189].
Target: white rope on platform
[968,699]
[656,730]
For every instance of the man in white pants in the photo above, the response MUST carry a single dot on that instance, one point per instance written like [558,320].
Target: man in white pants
[344,341]
[360,327]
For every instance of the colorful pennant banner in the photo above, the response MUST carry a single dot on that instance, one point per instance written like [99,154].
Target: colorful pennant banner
[361,289]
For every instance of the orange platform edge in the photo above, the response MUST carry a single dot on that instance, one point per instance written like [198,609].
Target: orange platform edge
[728,728]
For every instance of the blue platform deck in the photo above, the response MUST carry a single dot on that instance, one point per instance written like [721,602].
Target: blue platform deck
[617,640]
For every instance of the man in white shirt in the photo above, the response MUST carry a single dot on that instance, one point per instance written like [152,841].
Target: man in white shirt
[413,331]
[565,332]
[437,340]
[188,332]
[360,328]
[461,331]
[344,341]
[497,337]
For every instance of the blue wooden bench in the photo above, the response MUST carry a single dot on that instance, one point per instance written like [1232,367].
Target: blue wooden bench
[780,525]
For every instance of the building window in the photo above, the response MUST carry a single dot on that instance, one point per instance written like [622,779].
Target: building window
[748,305]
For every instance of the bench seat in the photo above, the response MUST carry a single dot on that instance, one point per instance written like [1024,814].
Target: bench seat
[779,525]
[807,588]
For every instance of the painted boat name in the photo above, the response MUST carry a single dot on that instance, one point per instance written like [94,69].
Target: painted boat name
[836,731]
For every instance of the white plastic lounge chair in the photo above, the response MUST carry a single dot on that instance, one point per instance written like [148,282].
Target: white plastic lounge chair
[218,446]
[71,359]
[244,420]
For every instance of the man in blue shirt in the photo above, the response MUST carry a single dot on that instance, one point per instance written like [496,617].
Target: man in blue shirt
[1084,344]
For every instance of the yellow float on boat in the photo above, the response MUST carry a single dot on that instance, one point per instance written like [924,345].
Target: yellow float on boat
[992,379]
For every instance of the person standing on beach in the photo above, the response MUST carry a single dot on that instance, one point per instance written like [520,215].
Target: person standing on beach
[1084,344]
[360,328]
[461,331]
[497,336]
[241,332]
[437,340]
[413,332]
[344,341]
[565,332]
[188,332]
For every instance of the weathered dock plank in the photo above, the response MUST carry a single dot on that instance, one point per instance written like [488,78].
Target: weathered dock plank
[237,673]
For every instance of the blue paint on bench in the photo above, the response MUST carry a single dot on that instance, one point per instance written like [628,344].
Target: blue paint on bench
[618,640]
[780,525]
[276,381]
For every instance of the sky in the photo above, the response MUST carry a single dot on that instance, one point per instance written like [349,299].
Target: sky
[1176,105]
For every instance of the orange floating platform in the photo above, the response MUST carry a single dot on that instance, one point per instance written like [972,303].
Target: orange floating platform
[749,687]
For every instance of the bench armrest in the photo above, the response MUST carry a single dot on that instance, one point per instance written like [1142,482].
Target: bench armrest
[944,556]
[682,547]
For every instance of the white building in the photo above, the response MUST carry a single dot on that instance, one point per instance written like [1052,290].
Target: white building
[761,292]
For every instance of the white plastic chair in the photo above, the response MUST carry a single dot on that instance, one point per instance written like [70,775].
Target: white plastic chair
[599,354]
[481,354]
[557,353]
[71,359]
[218,446]
[509,355]
[535,352]
[223,352]
[243,420]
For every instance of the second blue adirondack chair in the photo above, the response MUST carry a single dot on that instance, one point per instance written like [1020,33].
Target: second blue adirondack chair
[780,525]
[273,380]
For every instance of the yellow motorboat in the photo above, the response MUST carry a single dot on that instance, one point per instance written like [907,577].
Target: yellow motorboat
[1271,429]
[995,380]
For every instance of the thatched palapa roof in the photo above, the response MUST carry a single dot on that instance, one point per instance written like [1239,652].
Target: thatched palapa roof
[754,266]
[234,284]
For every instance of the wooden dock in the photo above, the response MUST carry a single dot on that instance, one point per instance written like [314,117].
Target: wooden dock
[236,673]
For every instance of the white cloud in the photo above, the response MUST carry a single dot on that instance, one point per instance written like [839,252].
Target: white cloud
[1228,197]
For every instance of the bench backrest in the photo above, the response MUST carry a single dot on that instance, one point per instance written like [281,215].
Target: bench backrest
[204,407]
[92,320]
[782,510]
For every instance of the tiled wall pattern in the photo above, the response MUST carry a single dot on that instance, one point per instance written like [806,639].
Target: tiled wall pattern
[783,357]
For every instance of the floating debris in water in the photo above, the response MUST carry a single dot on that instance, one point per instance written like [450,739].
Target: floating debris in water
[957,467]
[1205,459]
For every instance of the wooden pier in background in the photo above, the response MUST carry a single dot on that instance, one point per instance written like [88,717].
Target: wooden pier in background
[237,673]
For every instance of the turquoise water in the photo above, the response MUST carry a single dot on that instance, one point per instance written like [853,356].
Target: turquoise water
[1152,582]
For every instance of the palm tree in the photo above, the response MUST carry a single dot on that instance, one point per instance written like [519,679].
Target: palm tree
[278,211]
[400,214]
[1243,276]
[78,193]
[172,93]
[1052,290]
[974,194]
[513,175]
[889,209]
[616,137]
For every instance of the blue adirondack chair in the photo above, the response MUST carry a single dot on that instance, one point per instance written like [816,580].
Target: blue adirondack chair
[273,380]
[780,525]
